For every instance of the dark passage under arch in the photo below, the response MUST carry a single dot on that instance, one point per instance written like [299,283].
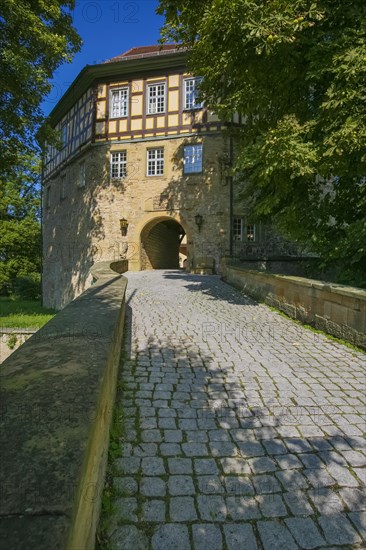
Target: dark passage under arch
[160,245]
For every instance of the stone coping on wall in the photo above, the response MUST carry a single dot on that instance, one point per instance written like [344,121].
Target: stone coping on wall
[11,338]
[57,395]
[17,330]
[339,310]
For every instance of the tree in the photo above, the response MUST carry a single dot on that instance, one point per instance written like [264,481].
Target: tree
[35,38]
[20,231]
[296,69]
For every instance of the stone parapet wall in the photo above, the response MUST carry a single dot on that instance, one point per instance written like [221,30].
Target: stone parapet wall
[11,339]
[336,309]
[57,396]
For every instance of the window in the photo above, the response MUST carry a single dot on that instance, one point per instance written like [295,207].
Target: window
[191,88]
[119,103]
[243,232]
[155,99]
[237,229]
[155,162]
[119,164]
[250,232]
[63,188]
[193,159]
[82,175]
[64,135]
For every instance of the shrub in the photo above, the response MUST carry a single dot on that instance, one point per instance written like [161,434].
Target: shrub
[28,287]
[12,341]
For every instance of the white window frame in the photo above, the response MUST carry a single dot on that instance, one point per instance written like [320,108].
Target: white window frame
[123,102]
[248,232]
[152,107]
[196,165]
[237,229]
[118,159]
[243,232]
[155,162]
[188,106]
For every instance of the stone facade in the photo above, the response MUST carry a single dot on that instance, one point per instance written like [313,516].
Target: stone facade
[141,101]
[83,201]
[83,226]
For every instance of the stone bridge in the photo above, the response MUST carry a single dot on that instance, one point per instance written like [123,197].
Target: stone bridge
[237,428]
[240,428]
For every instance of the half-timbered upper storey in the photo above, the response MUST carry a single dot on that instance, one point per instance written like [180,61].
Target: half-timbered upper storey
[142,94]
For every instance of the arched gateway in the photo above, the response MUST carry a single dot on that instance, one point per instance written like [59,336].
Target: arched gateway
[161,241]
[139,148]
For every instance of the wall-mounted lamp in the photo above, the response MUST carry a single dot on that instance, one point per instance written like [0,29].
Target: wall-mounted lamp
[123,223]
[199,221]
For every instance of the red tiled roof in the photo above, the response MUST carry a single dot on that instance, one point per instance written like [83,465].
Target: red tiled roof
[144,51]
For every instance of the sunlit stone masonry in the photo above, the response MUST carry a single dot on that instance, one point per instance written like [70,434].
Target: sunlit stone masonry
[143,174]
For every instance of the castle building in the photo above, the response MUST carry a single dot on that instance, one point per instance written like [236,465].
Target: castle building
[142,174]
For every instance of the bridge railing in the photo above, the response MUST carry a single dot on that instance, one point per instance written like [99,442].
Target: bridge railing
[338,310]
[57,394]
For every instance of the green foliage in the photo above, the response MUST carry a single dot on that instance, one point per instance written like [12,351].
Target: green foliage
[20,231]
[35,38]
[28,287]
[296,69]
[12,341]
[115,434]
[109,493]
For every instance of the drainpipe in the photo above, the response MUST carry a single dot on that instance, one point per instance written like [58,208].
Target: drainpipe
[231,191]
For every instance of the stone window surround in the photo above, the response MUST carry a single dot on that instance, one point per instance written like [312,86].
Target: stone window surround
[118,161]
[244,231]
[152,162]
[197,159]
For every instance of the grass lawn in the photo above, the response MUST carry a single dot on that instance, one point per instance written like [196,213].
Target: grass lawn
[16,313]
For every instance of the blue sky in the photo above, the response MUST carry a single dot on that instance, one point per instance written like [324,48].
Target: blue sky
[107,28]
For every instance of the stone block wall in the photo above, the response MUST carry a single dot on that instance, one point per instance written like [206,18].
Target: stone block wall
[11,339]
[81,224]
[336,309]
[57,398]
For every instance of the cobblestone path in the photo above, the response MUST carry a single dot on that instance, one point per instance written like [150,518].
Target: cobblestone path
[241,429]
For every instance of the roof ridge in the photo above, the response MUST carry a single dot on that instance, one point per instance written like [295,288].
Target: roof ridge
[141,51]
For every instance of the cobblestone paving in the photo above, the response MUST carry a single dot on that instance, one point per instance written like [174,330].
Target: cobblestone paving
[241,429]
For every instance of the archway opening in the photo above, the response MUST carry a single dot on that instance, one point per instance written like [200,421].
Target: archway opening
[162,246]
